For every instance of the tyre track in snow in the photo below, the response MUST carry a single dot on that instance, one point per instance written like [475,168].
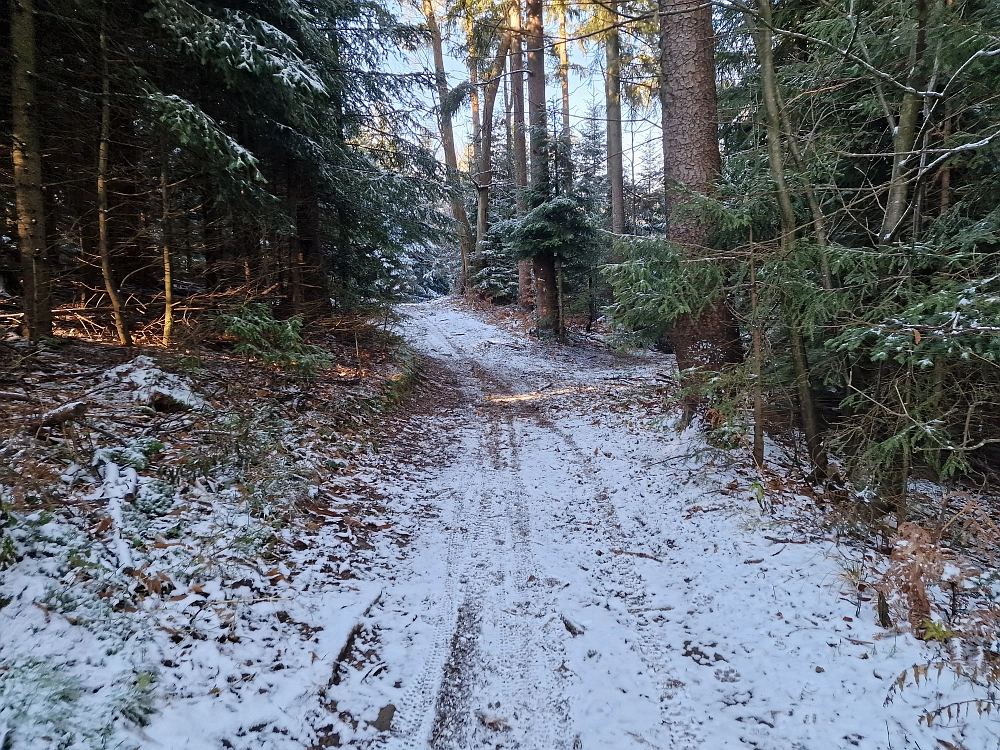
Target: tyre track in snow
[501,689]
[498,658]
[576,580]
[621,584]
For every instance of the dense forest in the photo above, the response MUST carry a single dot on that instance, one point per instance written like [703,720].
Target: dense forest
[818,230]
[385,373]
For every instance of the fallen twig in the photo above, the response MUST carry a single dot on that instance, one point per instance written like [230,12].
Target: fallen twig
[636,554]
[776,540]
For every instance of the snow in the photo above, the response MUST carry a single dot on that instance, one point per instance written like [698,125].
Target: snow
[150,384]
[560,569]
[561,505]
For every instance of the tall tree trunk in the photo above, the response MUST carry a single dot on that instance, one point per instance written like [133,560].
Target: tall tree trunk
[525,291]
[613,115]
[815,208]
[27,156]
[465,234]
[543,264]
[905,134]
[168,287]
[296,259]
[565,161]
[484,176]
[758,361]
[710,339]
[103,241]
[474,99]
[946,127]
[763,40]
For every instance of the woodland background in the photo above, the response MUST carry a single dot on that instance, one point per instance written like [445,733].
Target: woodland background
[814,233]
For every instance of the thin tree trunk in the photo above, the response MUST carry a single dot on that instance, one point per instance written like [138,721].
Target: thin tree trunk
[465,234]
[296,259]
[758,357]
[484,178]
[762,37]
[168,287]
[474,100]
[710,339]
[517,102]
[525,289]
[815,208]
[27,156]
[946,167]
[546,307]
[613,114]
[905,134]
[807,405]
[565,163]
[103,242]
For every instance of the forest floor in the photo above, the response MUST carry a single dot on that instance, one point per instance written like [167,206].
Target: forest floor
[523,553]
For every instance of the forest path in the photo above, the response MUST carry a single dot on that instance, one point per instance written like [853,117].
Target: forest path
[579,577]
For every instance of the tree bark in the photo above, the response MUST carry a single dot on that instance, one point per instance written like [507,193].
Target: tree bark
[905,134]
[103,241]
[168,286]
[758,361]
[474,99]
[613,115]
[546,292]
[709,340]
[27,157]
[543,264]
[565,161]
[484,178]
[525,290]
[465,234]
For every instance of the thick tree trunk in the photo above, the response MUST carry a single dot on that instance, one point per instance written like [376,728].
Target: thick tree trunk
[762,37]
[466,238]
[613,115]
[28,197]
[103,241]
[710,339]
[534,36]
[546,292]
[543,265]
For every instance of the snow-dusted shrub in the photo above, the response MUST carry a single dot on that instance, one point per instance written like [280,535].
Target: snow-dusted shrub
[262,338]
[135,453]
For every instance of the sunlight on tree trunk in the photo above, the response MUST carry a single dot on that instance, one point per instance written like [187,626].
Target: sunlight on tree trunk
[613,108]
[466,238]
[103,240]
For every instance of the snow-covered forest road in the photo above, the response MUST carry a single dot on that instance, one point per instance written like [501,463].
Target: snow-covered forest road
[578,575]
